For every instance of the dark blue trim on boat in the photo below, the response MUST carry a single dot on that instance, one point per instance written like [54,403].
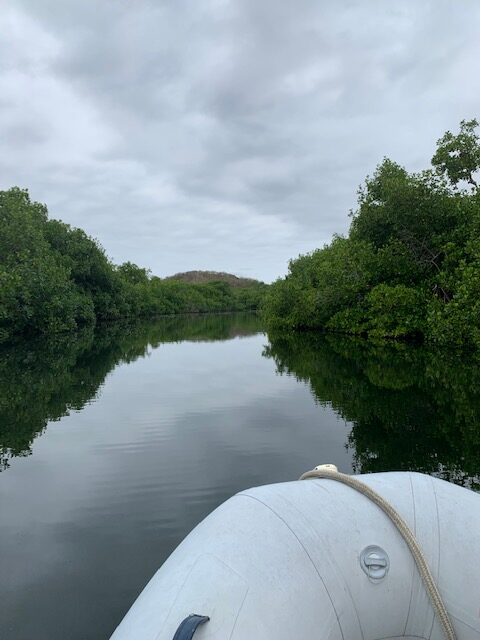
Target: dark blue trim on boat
[188,627]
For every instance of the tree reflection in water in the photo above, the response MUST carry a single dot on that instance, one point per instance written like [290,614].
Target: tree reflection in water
[411,407]
[44,380]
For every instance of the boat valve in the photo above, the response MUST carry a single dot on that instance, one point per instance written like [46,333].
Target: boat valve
[375,563]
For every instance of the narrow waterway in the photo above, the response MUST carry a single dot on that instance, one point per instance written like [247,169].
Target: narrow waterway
[114,444]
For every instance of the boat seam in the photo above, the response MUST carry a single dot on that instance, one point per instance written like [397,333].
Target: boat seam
[413,567]
[438,544]
[246,495]
[317,486]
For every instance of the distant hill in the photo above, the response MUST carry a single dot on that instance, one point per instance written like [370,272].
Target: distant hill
[202,277]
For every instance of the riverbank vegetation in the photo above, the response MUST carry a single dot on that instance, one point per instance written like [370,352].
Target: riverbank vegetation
[410,265]
[55,278]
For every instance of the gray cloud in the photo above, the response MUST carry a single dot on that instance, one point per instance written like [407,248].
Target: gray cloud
[226,135]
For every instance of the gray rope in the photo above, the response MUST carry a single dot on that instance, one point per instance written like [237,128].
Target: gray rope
[330,472]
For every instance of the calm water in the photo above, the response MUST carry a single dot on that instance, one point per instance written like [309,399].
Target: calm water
[114,445]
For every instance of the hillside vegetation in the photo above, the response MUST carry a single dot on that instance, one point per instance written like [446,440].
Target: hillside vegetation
[203,277]
[55,278]
[410,266]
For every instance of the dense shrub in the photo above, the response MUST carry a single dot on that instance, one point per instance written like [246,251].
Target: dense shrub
[55,278]
[410,266]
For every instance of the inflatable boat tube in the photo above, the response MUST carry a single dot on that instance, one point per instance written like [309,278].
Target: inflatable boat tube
[317,560]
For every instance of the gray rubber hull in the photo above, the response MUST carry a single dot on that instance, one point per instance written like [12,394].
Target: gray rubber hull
[283,562]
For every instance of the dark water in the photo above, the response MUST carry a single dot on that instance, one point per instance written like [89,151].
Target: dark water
[114,445]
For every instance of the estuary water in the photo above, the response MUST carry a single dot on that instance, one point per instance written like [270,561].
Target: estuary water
[114,444]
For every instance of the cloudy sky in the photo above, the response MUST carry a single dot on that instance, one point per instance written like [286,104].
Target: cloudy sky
[224,134]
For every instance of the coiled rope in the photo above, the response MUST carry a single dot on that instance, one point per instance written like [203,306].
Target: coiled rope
[330,471]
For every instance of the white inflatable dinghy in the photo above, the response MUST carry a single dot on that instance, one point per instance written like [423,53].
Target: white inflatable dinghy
[320,560]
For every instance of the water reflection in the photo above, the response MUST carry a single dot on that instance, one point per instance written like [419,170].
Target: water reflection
[44,380]
[147,427]
[410,407]
[145,430]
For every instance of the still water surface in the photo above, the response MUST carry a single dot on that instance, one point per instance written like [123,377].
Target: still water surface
[114,444]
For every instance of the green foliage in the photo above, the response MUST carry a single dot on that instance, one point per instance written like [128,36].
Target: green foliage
[458,321]
[459,156]
[55,278]
[410,266]
[385,312]
[36,293]
[321,284]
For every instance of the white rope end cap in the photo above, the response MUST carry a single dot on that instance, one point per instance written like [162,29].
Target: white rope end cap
[326,467]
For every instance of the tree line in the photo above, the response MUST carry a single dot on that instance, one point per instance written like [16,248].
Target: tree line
[56,278]
[410,264]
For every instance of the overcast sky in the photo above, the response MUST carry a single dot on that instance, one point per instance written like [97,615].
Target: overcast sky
[224,134]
